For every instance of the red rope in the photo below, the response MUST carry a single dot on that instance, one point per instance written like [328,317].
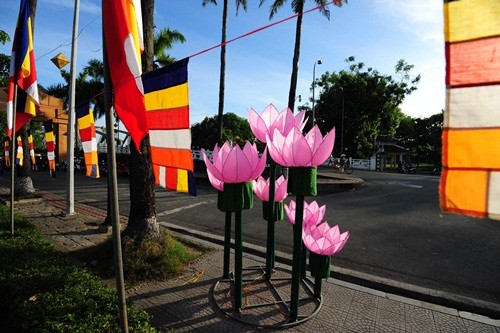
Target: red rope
[263,28]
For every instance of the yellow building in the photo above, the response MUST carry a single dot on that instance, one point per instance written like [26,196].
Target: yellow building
[50,108]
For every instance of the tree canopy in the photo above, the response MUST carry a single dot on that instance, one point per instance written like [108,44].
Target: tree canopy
[4,60]
[236,129]
[365,101]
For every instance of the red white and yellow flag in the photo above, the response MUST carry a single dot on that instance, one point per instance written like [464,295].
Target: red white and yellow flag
[470,183]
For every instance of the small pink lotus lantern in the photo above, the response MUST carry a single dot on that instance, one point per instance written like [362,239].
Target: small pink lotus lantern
[322,242]
[313,213]
[261,190]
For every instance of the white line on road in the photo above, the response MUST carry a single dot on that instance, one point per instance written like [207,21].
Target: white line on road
[176,210]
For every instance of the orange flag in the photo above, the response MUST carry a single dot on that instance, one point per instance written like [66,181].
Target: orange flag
[124,45]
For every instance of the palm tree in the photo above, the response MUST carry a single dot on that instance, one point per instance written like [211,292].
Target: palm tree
[298,8]
[163,40]
[222,76]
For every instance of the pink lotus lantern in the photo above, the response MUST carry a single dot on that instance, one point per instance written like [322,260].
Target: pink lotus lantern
[232,172]
[302,154]
[322,242]
[323,239]
[271,118]
[232,167]
[261,190]
[313,213]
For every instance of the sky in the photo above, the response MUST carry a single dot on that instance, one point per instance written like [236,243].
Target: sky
[258,67]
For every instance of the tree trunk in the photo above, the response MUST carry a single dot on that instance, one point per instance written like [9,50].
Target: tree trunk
[142,222]
[296,55]
[23,186]
[220,116]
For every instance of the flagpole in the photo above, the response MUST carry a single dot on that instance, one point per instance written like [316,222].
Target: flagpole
[70,188]
[12,161]
[113,191]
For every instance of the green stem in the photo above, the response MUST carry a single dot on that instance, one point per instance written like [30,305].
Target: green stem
[238,260]
[317,287]
[227,245]
[270,249]
[297,257]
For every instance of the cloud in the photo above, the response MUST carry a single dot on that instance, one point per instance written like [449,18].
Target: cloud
[85,6]
[422,18]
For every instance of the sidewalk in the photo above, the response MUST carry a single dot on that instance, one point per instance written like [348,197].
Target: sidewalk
[193,302]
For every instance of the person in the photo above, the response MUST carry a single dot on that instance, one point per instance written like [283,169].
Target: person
[342,162]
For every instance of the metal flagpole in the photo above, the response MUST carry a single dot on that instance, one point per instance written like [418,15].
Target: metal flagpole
[113,192]
[70,188]
[12,161]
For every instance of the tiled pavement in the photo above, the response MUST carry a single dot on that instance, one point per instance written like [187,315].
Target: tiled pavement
[193,302]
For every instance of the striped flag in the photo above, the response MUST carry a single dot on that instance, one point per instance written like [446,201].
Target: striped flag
[51,145]
[6,144]
[22,73]
[470,183]
[85,120]
[167,105]
[124,45]
[32,148]
[20,151]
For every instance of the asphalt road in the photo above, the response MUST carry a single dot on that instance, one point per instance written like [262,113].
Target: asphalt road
[398,232]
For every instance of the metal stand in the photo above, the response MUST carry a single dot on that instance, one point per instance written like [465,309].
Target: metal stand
[266,302]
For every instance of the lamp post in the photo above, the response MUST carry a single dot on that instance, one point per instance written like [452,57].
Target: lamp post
[342,132]
[319,62]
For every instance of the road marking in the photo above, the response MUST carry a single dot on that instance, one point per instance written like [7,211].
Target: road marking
[412,186]
[176,210]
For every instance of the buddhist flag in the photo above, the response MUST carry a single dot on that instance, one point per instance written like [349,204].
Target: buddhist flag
[7,151]
[19,154]
[32,148]
[88,136]
[167,105]
[470,182]
[124,45]
[22,73]
[51,145]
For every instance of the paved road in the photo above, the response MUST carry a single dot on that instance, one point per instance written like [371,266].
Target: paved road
[398,232]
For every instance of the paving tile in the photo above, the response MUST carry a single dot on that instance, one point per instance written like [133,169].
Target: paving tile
[365,298]
[476,327]
[390,305]
[363,310]
[449,324]
[414,325]
[391,320]
[357,323]
[416,313]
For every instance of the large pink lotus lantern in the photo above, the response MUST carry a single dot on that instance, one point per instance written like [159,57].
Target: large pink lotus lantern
[232,172]
[264,124]
[296,150]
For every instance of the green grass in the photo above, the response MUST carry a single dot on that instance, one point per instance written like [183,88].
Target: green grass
[42,290]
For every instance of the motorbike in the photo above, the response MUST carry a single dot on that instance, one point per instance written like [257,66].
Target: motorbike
[407,169]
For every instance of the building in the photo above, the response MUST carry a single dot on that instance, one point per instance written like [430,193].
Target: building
[50,108]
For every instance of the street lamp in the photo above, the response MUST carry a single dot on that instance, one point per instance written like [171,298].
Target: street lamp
[342,131]
[319,62]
